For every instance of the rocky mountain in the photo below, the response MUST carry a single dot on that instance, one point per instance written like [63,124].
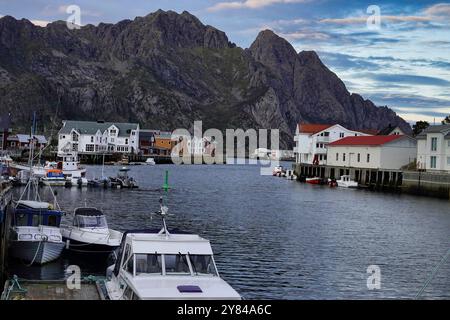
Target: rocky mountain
[166,70]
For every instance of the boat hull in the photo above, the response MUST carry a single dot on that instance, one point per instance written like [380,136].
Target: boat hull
[313,181]
[83,247]
[38,252]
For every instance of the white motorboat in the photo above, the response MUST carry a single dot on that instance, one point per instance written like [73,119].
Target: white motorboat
[69,165]
[89,233]
[162,265]
[347,182]
[123,180]
[35,235]
[278,171]
[150,162]
[54,177]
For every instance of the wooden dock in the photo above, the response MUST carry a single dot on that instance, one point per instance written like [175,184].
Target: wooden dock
[50,290]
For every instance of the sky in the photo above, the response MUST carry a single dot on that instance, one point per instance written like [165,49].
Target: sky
[396,53]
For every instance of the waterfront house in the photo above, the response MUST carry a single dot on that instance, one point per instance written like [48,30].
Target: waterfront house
[19,142]
[372,152]
[312,140]
[433,148]
[97,137]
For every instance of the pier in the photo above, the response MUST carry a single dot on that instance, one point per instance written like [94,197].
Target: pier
[366,177]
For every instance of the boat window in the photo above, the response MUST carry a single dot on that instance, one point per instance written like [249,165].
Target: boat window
[203,265]
[21,220]
[91,222]
[128,294]
[176,264]
[52,221]
[148,263]
[36,221]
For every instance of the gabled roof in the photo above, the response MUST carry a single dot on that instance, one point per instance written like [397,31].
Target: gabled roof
[91,127]
[312,128]
[25,138]
[366,140]
[443,128]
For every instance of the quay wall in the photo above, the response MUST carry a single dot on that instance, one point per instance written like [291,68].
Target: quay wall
[433,184]
[5,222]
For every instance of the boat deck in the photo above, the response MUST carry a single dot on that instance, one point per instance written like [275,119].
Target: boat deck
[53,290]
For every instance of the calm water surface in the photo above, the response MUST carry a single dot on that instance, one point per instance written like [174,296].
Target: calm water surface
[280,239]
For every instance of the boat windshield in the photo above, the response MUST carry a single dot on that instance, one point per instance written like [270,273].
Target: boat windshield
[149,264]
[202,264]
[90,222]
[174,264]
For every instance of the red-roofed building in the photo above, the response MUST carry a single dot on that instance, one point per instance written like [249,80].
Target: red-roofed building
[312,139]
[375,152]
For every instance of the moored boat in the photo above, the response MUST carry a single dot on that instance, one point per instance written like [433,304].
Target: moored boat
[54,177]
[162,265]
[314,180]
[35,235]
[347,182]
[89,233]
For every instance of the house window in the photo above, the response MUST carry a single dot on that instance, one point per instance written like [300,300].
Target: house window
[368,157]
[343,157]
[112,132]
[433,144]
[359,157]
[112,139]
[126,141]
[327,134]
[433,162]
[448,161]
[133,133]
[337,156]
[75,147]
[92,139]
[90,148]
[74,137]
[341,135]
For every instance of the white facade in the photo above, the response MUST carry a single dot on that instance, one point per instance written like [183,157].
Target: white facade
[95,138]
[433,149]
[390,156]
[311,148]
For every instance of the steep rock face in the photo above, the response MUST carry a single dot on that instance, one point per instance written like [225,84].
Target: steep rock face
[308,91]
[166,70]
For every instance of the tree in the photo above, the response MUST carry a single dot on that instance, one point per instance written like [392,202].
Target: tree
[420,126]
[446,120]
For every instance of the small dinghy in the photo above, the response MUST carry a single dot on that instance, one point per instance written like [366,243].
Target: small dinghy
[89,233]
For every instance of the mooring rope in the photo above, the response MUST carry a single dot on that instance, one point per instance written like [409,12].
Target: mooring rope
[433,273]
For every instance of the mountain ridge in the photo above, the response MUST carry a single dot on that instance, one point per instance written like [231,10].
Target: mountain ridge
[166,70]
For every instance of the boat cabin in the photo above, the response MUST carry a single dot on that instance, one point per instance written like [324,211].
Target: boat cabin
[89,218]
[34,213]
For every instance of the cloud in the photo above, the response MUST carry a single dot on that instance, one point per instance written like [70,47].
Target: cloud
[409,79]
[306,35]
[438,10]
[249,4]
[361,20]
[345,62]
[40,23]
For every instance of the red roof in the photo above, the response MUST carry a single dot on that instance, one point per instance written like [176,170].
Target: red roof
[312,128]
[365,140]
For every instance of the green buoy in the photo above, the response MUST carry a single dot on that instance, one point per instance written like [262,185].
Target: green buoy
[166,183]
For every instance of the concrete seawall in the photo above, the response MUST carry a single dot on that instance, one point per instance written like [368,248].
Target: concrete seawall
[427,184]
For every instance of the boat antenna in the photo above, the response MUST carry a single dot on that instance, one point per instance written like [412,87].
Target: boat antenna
[164,209]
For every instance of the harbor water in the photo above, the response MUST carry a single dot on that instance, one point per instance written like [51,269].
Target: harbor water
[278,239]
